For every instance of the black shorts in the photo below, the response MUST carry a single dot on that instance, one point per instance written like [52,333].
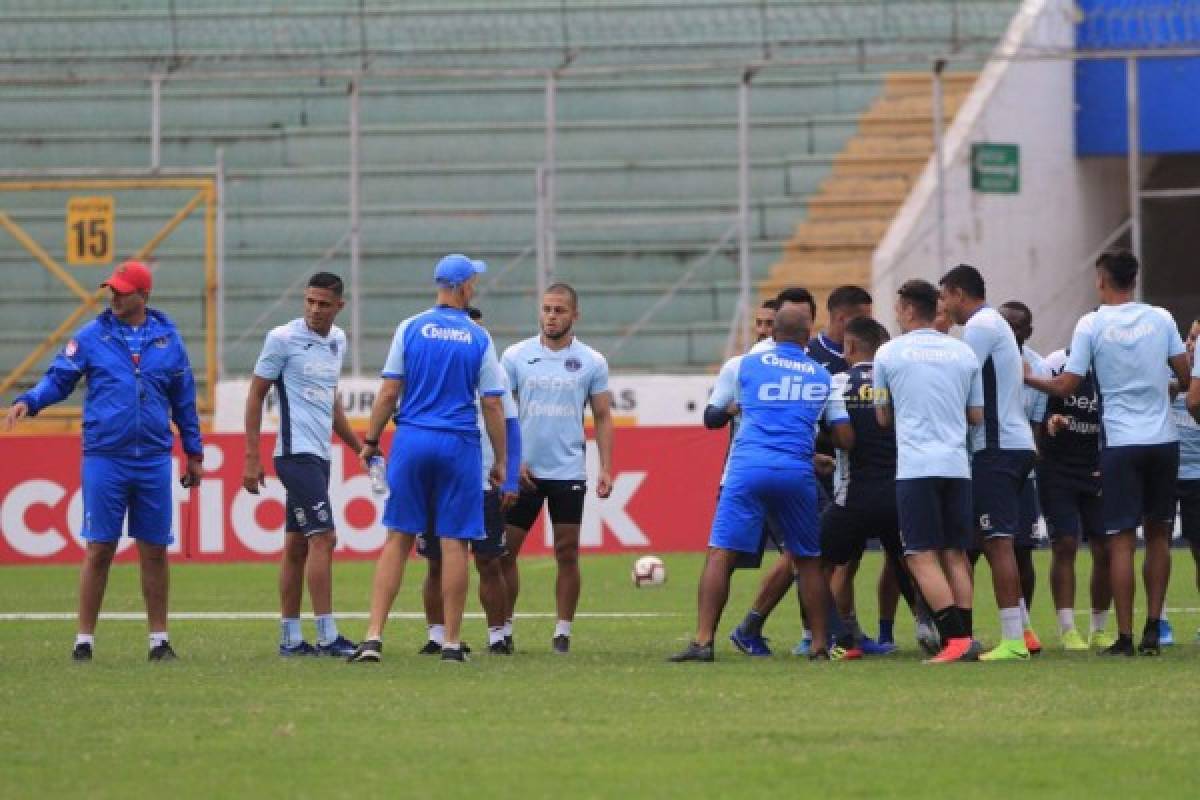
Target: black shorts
[998,478]
[1188,493]
[935,514]
[305,477]
[1139,483]
[565,499]
[867,512]
[493,544]
[1072,504]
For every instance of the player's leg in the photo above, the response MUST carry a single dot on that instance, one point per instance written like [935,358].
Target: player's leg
[936,528]
[104,506]
[1159,475]
[518,522]
[1100,591]
[887,593]
[150,501]
[319,577]
[1188,492]
[493,595]
[454,592]
[458,503]
[1120,470]
[93,580]
[429,547]
[1059,501]
[564,503]
[291,593]
[998,479]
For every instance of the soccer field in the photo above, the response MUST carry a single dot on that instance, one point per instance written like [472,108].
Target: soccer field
[611,719]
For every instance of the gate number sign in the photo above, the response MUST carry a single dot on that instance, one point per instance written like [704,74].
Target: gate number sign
[90,234]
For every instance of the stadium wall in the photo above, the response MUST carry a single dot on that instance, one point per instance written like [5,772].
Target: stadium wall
[1033,245]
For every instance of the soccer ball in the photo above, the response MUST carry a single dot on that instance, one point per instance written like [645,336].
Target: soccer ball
[649,571]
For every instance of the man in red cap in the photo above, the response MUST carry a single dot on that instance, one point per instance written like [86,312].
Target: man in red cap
[139,380]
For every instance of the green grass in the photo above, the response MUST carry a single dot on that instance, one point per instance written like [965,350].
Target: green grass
[610,720]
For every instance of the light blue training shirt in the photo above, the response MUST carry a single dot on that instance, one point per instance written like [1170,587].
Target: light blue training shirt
[304,367]
[1005,421]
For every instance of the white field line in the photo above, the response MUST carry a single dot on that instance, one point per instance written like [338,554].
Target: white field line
[227,616]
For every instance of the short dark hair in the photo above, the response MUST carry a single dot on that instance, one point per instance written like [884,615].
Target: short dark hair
[966,278]
[797,294]
[1019,307]
[474,313]
[772,304]
[1121,266]
[922,296]
[327,280]
[847,296]
[868,331]
[567,289]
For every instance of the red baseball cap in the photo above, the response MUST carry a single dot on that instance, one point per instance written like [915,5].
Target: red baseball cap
[129,277]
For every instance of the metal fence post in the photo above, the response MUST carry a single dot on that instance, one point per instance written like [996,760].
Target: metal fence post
[549,212]
[743,222]
[939,153]
[1134,162]
[220,245]
[155,121]
[355,236]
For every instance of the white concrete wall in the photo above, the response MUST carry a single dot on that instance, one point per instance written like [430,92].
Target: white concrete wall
[1033,246]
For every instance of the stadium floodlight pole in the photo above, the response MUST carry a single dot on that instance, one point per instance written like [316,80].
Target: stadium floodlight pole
[355,234]
[1134,161]
[156,81]
[220,259]
[743,223]
[939,153]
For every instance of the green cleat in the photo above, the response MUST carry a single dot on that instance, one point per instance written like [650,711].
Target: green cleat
[1007,650]
[1073,642]
[1101,640]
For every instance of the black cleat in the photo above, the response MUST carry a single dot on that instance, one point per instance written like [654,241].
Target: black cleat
[512,646]
[162,652]
[1149,645]
[466,648]
[455,655]
[369,652]
[82,652]
[1123,646]
[499,648]
[561,644]
[694,652]
[431,648]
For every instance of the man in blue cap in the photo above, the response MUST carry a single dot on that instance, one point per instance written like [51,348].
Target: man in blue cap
[440,361]
[138,380]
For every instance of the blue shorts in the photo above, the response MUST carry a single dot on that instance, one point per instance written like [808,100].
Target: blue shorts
[1030,511]
[430,546]
[1071,504]
[435,475]
[787,498]
[1139,483]
[306,478]
[935,514]
[999,478]
[114,485]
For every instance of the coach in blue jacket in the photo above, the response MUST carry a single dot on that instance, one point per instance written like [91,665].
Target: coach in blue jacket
[138,380]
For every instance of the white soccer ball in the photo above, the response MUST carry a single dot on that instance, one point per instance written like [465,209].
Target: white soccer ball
[649,571]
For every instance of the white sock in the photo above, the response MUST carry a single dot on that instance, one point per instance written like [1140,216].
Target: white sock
[327,629]
[508,627]
[562,628]
[495,634]
[437,633]
[1099,620]
[451,646]
[1066,619]
[158,638]
[1010,623]
[289,632]
[85,638]
[807,634]
[1025,621]
[1163,615]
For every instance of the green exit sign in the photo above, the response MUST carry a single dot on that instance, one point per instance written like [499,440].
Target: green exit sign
[995,168]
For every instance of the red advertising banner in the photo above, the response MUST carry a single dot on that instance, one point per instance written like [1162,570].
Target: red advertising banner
[664,491]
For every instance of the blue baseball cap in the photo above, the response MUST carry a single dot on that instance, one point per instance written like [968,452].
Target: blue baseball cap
[456,269]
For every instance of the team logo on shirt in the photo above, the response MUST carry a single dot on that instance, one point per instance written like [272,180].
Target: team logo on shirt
[572,364]
[301,519]
[431,330]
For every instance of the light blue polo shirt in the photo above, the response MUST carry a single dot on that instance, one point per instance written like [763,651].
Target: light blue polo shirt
[304,368]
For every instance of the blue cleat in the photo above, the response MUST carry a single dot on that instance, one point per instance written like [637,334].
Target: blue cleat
[1166,636]
[298,649]
[870,647]
[750,645]
[341,647]
[804,647]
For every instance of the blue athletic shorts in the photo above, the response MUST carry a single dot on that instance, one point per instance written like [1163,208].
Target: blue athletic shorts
[306,478]
[1030,511]
[935,514]
[787,498]
[435,475]
[430,546]
[114,485]
[999,477]
[1139,483]
[1072,504]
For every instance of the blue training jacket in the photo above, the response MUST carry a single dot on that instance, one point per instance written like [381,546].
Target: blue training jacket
[128,408]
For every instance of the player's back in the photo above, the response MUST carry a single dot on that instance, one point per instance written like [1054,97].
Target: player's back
[1128,347]
[1005,422]
[873,457]
[928,377]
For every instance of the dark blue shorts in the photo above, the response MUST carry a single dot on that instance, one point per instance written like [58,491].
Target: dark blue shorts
[935,514]
[786,497]
[1188,493]
[430,546]
[1139,484]
[867,512]
[438,475]
[1030,511]
[998,478]
[114,486]
[1072,504]
[306,479]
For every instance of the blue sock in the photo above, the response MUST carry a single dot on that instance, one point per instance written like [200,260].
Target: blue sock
[886,635]
[289,632]
[327,629]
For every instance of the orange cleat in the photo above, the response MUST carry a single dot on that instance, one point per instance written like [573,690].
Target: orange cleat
[1032,642]
[961,649]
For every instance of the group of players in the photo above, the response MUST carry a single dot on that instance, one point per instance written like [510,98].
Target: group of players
[940,443]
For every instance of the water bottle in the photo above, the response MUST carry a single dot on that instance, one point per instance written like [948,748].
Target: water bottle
[377,469]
